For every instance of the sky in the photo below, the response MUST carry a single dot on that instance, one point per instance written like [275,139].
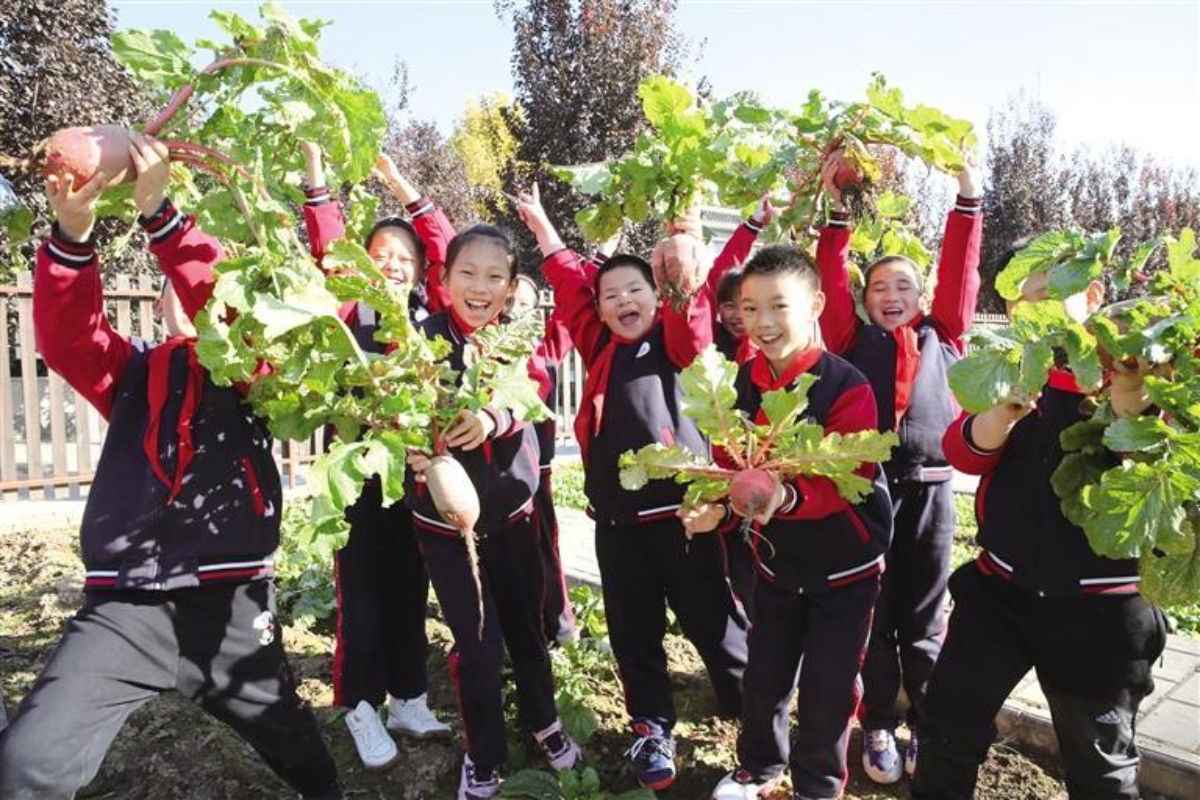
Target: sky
[1111,71]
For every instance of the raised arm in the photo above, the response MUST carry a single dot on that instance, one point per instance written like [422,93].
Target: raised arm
[431,224]
[957,290]
[322,214]
[839,322]
[70,327]
[737,250]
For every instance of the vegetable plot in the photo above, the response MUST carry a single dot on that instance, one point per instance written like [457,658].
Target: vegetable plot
[786,446]
[1131,483]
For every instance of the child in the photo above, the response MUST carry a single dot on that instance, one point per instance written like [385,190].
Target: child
[500,456]
[382,588]
[818,557]
[1039,597]
[180,524]
[905,353]
[634,351]
[729,334]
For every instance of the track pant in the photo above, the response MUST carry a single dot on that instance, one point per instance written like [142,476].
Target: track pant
[382,592]
[645,567]
[813,642]
[559,616]
[219,646]
[1093,656]
[910,614]
[510,568]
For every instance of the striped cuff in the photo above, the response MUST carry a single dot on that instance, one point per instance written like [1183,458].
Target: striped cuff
[422,205]
[791,499]
[501,419]
[839,219]
[316,195]
[598,258]
[76,255]
[754,225]
[969,440]
[162,223]
[971,206]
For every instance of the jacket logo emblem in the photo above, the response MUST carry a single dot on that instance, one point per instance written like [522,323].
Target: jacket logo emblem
[1110,717]
[643,350]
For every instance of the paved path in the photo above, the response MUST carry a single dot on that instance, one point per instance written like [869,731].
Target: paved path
[1168,725]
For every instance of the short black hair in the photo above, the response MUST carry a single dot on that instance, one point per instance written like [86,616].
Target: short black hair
[728,286]
[497,236]
[783,259]
[887,260]
[624,260]
[414,241]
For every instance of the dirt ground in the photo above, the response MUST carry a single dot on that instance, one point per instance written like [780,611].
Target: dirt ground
[170,749]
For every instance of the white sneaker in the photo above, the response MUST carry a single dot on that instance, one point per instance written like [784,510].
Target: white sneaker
[881,759]
[413,718]
[740,785]
[375,747]
[473,785]
[560,749]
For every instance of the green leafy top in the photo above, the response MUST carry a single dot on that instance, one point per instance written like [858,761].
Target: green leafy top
[787,444]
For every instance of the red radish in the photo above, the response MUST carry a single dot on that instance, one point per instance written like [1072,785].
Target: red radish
[83,152]
[847,174]
[680,264]
[456,500]
[752,491]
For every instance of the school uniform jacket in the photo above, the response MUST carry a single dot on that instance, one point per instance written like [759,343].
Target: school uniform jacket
[1022,530]
[632,395]
[504,469]
[734,254]
[186,491]
[818,541]
[907,367]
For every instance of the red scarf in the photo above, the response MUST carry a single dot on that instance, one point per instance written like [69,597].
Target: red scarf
[591,405]
[762,374]
[158,390]
[908,362]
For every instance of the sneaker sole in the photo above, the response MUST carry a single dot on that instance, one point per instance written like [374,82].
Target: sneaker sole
[421,735]
[385,766]
[658,785]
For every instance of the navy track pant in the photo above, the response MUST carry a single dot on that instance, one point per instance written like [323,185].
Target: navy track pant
[910,614]
[510,569]
[645,567]
[1093,655]
[382,594]
[219,646]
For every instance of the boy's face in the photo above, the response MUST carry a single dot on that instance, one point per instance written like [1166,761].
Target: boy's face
[626,302]
[1079,306]
[175,320]
[393,253]
[480,282]
[731,318]
[892,297]
[779,313]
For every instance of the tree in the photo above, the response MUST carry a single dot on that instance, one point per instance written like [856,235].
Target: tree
[576,66]
[485,141]
[57,70]
[1025,191]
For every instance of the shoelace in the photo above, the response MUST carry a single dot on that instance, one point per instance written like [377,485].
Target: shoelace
[492,779]
[654,745]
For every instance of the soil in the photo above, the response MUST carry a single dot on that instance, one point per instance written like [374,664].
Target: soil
[171,749]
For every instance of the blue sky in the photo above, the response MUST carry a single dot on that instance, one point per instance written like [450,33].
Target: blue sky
[1112,71]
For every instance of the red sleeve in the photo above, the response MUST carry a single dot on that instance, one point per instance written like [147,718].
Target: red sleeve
[70,327]
[575,298]
[957,287]
[436,232]
[962,453]
[816,497]
[839,322]
[688,331]
[555,345]
[324,223]
[735,253]
[186,254]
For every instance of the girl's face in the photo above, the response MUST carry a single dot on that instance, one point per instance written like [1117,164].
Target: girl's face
[731,317]
[480,281]
[626,302]
[392,250]
[893,296]
[525,298]
[780,315]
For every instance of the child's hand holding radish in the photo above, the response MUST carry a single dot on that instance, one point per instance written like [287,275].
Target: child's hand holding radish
[829,179]
[152,163]
[756,495]
[75,209]
[470,430]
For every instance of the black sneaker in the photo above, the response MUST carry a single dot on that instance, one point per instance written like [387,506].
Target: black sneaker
[653,755]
